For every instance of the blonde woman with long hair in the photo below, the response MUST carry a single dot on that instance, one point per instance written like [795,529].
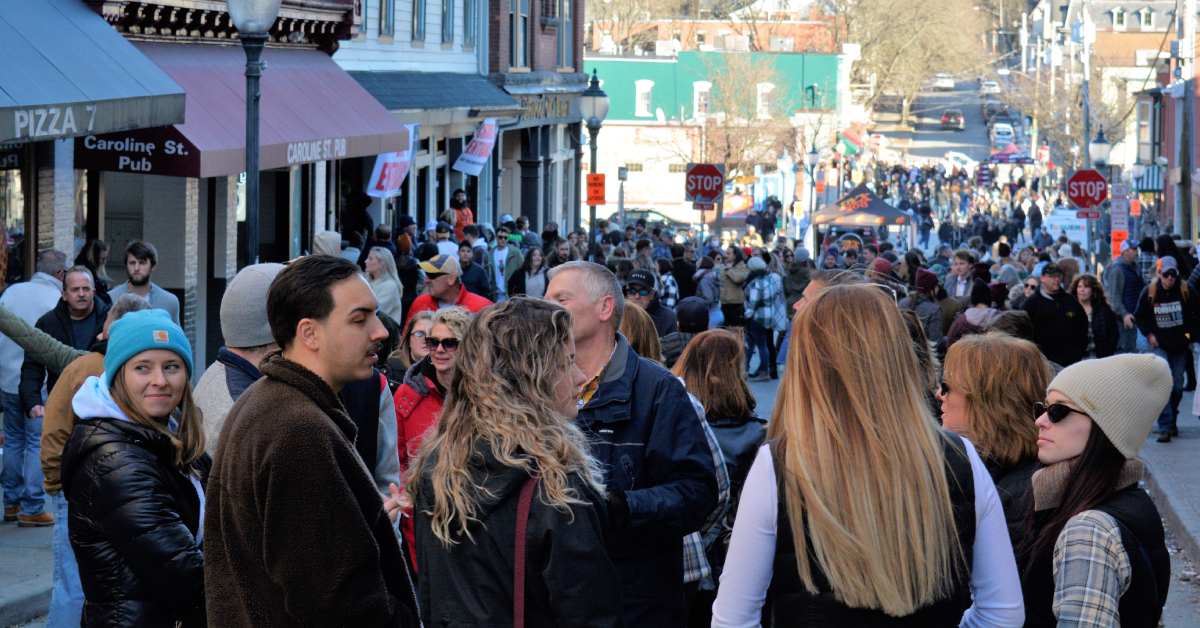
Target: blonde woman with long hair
[506,443]
[859,511]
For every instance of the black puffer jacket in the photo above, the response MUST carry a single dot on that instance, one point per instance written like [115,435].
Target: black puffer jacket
[133,521]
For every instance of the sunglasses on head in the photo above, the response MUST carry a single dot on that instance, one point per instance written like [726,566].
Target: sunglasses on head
[449,344]
[1055,411]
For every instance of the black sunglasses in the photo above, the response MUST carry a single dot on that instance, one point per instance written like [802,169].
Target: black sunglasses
[449,344]
[1055,411]
[645,292]
[944,388]
[1031,286]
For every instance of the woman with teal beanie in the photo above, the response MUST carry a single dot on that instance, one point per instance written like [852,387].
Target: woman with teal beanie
[133,473]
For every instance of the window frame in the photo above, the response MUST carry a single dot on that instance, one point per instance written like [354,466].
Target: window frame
[470,17]
[643,88]
[701,88]
[564,39]
[387,19]
[1120,19]
[448,22]
[762,97]
[419,19]
[518,34]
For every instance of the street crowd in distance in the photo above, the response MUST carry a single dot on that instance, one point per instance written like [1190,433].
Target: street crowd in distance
[485,425]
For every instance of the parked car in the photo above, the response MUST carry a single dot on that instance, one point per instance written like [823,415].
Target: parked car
[954,119]
[943,82]
[989,87]
[991,108]
[1003,134]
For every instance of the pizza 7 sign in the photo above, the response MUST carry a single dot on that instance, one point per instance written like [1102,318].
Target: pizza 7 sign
[704,183]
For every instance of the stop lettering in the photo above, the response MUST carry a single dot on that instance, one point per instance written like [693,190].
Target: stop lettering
[1087,188]
[704,183]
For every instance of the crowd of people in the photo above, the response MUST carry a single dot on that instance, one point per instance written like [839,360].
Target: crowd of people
[478,426]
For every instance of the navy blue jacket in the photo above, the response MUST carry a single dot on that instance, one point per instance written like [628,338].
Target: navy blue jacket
[646,435]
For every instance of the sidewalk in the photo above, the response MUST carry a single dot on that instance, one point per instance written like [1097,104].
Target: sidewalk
[1173,479]
[26,572]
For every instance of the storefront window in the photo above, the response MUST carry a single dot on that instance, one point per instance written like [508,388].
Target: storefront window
[12,206]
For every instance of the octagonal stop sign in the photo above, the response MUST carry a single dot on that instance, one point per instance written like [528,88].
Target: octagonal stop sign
[704,183]
[1087,188]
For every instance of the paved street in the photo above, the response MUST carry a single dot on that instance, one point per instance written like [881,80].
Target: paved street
[927,140]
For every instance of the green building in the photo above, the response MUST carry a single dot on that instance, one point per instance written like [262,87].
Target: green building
[779,84]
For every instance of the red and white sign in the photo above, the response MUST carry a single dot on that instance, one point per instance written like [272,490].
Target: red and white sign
[391,169]
[704,183]
[595,189]
[476,155]
[1088,214]
[1087,189]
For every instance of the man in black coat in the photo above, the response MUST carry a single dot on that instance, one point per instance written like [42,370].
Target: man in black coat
[76,321]
[1059,323]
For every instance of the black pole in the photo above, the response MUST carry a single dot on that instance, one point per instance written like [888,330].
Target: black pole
[812,211]
[253,44]
[593,131]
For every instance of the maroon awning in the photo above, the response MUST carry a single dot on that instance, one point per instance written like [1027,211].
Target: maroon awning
[311,110]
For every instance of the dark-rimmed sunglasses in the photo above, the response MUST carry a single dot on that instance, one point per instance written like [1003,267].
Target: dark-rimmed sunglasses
[944,388]
[644,292]
[1055,411]
[449,344]
[1031,286]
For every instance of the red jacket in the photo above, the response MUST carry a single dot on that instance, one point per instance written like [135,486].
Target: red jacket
[462,218]
[418,406]
[466,299]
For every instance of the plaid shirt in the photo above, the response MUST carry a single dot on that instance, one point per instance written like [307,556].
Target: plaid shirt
[1091,571]
[765,302]
[696,567]
[1146,263]
[668,290]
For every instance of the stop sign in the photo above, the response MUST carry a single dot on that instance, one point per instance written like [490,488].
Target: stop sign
[1087,188]
[704,183]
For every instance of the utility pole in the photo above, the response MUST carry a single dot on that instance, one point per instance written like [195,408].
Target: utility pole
[1185,101]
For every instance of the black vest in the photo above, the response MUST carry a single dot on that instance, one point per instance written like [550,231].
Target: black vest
[1142,537]
[362,404]
[789,604]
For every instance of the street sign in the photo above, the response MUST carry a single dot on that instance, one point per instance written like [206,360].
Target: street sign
[703,207]
[1088,214]
[1087,189]
[595,189]
[704,183]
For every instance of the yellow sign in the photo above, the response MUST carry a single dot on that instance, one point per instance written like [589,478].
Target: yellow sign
[745,179]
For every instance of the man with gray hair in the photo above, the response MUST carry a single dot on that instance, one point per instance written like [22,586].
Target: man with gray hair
[659,469]
[24,497]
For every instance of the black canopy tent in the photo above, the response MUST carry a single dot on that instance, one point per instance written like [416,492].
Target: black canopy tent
[860,207]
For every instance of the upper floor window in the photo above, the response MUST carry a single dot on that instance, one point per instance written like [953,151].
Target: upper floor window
[470,16]
[387,18]
[566,34]
[418,20]
[701,98]
[447,21]
[1146,19]
[1118,19]
[518,52]
[643,105]
[764,100]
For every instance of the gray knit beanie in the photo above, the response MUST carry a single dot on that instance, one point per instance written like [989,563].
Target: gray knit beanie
[244,307]
[1123,395]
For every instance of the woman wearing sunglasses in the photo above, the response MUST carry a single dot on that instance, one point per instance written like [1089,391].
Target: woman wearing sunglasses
[419,399]
[1022,293]
[1167,315]
[1096,554]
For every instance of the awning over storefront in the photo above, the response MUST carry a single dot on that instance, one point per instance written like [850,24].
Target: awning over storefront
[66,72]
[311,110]
[422,91]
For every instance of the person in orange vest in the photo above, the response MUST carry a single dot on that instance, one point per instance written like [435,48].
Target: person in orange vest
[463,215]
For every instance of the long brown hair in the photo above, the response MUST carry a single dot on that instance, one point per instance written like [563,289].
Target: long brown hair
[863,462]
[1098,298]
[713,367]
[502,401]
[404,351]
[1002,377]
[188,439]
[639,330]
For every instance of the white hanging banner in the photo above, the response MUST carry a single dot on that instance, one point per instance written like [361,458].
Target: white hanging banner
[476,155]
[392,168]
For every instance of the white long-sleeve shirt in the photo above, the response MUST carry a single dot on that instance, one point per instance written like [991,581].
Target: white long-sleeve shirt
[995,585]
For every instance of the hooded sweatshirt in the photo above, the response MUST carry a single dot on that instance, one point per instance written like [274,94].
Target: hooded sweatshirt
[327,243]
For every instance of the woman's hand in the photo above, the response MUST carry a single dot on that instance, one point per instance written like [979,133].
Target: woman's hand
[396,502]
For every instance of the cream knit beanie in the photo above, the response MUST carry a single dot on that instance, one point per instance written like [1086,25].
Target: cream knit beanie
[1123,394]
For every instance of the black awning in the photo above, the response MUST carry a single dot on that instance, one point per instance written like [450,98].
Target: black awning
[67,73]
[421,91]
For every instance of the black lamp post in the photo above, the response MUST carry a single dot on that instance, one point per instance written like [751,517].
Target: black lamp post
[593,104]
[1098,152]
[811,160]
[253,19]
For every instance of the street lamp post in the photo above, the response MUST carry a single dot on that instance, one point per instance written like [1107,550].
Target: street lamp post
[1098,152]
[811,159]
[253,19]
[593,104]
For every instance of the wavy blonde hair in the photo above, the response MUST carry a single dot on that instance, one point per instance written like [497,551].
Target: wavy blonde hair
[1002,377]
[641,333]
[862,460]
[502,400]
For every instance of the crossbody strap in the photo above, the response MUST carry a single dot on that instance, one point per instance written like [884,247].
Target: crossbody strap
[523,505]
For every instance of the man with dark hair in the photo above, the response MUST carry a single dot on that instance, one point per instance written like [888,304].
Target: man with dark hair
[506,262]
[296,531]
[958,280]
[474,277]
[141,258]
[1059,322]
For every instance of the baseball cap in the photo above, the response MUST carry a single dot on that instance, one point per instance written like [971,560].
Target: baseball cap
[641,277]
[441,265]
[506,218]
[443,227]
[431,225]
[692,315]
[1166,263]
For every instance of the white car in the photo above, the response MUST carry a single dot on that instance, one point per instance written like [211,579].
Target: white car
[989,87]
[1003,134]
[943,82]
[954,158]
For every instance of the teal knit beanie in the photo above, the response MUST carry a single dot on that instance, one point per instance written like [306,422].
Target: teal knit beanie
[142,331]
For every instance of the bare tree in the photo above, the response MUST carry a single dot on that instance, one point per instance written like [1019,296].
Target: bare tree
[629,23]
[1059,116]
